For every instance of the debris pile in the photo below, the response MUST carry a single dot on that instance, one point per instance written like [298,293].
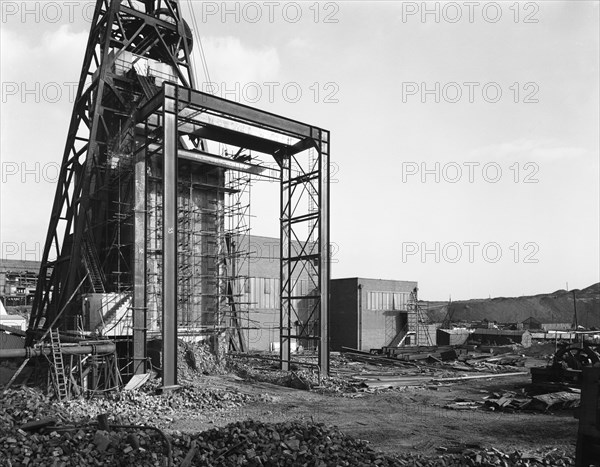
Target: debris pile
[242,443]
[483,361]
[81,446]
[490,457]
[254,369]
[195,359]
[437,359]
[22,405]
[290,443]
[511,401]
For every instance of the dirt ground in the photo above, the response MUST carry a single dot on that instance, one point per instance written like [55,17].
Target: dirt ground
[411,419]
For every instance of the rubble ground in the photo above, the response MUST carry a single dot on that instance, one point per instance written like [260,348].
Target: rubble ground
[251,416]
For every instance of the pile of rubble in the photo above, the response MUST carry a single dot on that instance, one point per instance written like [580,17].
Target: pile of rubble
[290,443]
[242,443]
[22,405]
[490,457]
[81,445]
[196,359]
[254,369]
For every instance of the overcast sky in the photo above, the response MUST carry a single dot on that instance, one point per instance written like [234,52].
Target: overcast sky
[465,136]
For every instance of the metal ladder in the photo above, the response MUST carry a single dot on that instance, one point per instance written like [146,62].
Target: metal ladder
[148,88]
[91,264]
[60,379]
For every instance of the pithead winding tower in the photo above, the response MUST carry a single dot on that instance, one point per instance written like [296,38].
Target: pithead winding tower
[140,242]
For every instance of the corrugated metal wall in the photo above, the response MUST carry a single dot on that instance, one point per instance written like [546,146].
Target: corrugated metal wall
[262,293]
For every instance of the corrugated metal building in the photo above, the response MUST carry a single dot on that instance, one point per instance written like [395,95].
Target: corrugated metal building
[261,294]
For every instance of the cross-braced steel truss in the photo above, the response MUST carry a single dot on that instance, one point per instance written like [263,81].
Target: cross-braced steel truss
[149,30]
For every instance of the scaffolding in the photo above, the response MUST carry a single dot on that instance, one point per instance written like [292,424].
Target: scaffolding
[417,320]
[237,256]
[154,223]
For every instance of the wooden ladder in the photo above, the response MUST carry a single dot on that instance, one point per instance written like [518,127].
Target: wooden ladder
[60,379]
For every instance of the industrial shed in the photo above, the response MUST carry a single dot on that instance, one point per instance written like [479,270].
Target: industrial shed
[372,313]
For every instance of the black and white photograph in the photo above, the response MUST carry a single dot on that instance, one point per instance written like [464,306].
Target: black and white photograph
[299,233]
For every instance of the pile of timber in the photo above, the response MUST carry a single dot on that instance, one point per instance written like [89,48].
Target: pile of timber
[435,353]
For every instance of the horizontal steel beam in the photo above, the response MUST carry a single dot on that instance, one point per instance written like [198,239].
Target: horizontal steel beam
[245,113]
[236,138]
[211,159]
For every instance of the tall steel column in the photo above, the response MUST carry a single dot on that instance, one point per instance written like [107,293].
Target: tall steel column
[286,312]
[325,260]
[169,253]
[305,262]
[139,264]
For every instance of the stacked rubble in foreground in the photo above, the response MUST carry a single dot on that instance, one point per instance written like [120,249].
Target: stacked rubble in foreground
[77,440]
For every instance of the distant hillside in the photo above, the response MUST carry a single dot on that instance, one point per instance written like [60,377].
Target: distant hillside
[556,307]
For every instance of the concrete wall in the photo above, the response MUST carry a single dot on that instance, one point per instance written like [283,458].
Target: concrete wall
[378,327]
[363,321]
[261,298]
[375,328]
[264,329]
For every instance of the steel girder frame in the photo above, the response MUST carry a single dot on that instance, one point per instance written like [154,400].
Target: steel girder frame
[212,118]
[169,237]
[117,26]
[304,250]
